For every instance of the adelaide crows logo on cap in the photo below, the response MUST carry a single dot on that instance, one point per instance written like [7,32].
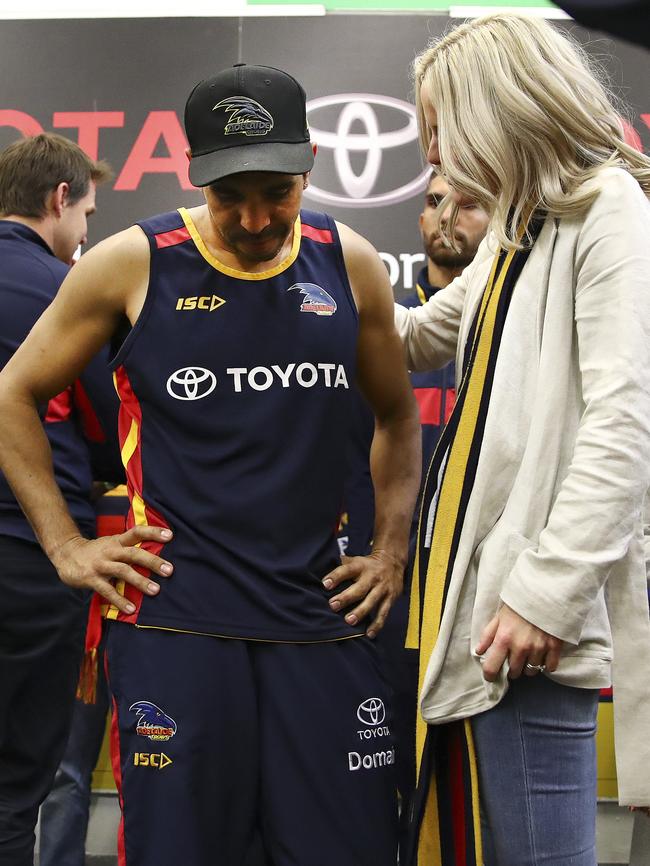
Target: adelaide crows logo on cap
[317,300]
[152,722]
[247,117]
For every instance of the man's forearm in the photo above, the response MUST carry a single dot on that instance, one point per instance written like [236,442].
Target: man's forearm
[395,462]
[376,581]
[26,461]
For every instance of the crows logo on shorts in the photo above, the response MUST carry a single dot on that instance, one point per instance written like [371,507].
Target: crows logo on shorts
[152,721]
[317,300]
[246,117]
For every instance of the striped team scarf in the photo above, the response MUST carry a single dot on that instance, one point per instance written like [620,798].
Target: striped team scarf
[444,819]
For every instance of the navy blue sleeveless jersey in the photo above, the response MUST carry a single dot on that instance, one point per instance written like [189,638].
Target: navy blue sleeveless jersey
[235,391]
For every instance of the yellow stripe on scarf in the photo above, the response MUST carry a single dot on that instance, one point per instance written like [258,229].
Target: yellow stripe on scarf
[452,485]
[429,849]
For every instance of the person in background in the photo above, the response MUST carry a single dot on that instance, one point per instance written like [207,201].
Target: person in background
[47,193]
[435,390]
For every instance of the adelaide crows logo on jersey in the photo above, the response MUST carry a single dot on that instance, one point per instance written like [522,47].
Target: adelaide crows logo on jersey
[247,117]
[317,300]
[152,722]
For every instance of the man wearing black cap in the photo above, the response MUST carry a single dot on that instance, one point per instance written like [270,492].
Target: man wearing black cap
[248,693]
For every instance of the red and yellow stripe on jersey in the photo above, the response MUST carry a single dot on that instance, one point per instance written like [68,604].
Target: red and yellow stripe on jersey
[139,514]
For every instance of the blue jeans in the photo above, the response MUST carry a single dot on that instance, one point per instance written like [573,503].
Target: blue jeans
[64,814]
[536,756]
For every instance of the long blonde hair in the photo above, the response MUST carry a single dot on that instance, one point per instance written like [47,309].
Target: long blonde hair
[524,123]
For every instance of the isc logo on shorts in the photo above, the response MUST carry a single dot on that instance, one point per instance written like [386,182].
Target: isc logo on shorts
[157,760]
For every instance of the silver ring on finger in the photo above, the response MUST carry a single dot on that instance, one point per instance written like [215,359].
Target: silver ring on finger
[539,669]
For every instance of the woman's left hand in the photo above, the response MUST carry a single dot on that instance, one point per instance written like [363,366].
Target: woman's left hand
[528,649]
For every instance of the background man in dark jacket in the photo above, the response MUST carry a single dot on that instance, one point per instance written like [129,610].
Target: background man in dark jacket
[47,193]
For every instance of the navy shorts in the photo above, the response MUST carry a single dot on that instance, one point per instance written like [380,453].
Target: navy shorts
[215,739]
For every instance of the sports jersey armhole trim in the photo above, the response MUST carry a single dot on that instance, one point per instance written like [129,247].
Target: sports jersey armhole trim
[233,272]
[340,262]
[123,351]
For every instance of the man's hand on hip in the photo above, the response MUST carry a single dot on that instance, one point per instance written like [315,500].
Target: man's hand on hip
[84,564]
[376,582]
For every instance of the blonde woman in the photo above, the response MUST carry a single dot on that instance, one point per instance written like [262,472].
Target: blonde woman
[529,593]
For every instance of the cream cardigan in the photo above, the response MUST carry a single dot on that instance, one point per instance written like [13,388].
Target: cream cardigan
[554,524]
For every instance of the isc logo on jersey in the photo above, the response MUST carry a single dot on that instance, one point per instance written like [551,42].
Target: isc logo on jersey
[205,302]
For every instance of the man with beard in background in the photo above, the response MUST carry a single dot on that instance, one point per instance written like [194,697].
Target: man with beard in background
[434,390]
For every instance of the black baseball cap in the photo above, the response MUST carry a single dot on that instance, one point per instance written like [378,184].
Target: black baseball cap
[247,118]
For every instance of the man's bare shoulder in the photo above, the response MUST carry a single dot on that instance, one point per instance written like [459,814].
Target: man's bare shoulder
[356,248]
[129,246]
[112,276]
[367,273]
[362,261]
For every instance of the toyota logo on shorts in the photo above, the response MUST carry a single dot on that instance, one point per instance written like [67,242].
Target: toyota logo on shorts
[191,383]
[399,130]
[372,711]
